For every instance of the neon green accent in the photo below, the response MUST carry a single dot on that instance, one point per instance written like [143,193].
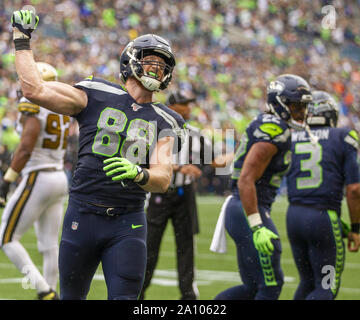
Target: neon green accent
[268,270]
[109,129]
[242,147]
[136,226]
[311,165]
[340,249]
[236,173]
[89,77]
[271,129]
[354,135]
[265,262]
[148,128]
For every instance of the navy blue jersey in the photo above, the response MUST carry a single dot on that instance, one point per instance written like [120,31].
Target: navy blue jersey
[319,171]
[113,124]
[271,129]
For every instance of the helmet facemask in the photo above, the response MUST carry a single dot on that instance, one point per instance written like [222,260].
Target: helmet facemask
[153,79]
[153,74]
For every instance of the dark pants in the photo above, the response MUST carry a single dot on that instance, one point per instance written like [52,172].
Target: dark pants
[261,274]
[118,242]
[317,246]
[180,207]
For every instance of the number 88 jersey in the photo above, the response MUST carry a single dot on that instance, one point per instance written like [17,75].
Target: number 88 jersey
[113,124]
[50,147]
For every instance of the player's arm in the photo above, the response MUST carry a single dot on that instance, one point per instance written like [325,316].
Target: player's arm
[55,96]
[256,161]
[160,171]
[155,179]
[353,202]
[29,136]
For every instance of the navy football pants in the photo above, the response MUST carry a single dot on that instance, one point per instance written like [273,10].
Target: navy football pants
[88,239]
[317,246]
[261,274]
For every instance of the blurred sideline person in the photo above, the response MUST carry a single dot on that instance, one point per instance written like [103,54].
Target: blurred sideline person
[39,198]
[316,180]
[125,150]
[260,162]
[179,205]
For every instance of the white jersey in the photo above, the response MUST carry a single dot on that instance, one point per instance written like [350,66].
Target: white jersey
[50,146]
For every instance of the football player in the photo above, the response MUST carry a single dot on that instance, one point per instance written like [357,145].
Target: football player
[125,147]
[316,180]
[259,164]
[39,158]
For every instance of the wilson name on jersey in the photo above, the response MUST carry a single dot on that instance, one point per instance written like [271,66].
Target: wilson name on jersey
[51,144]
[113,124]
[271,129]
[319,171]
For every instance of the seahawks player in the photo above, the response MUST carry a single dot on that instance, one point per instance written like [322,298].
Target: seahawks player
[260,162]
[125,147]
[318,174]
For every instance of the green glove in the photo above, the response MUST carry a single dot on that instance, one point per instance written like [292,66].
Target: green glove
[345,228]
[26,22]
[122,168]
[262,239]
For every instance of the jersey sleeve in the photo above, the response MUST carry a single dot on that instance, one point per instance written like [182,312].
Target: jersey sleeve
[351,167]
[28,108]
[271,129]
[171,124]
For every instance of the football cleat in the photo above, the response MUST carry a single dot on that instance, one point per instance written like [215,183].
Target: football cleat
[49,295]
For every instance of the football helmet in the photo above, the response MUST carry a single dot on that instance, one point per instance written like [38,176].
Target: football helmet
[285,94]
[47,72]
[323,111]
[131,61]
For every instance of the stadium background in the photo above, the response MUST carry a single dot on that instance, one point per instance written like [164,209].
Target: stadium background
[226,52]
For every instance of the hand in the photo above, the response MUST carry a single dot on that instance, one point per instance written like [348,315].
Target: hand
[127,169]
[353,242]
[191,170]
[4,189]
[262,239]
[24,23]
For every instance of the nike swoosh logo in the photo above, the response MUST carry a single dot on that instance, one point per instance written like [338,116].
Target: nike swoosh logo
[136,226]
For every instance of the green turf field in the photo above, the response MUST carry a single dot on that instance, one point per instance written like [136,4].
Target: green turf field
[214,272]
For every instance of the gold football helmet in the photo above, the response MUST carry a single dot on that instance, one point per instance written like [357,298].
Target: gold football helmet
[47,72]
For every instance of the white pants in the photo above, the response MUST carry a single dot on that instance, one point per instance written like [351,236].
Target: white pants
[38,200]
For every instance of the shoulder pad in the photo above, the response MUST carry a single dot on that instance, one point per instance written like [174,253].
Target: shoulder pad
[272,129]
[92,83]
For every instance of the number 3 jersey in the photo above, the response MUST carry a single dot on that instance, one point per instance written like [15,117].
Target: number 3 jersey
[113,124]
[319,171]
[50,146]
[271,129]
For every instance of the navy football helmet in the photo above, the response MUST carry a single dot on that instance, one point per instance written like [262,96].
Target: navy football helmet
[323,111]
[131,63]
[286,95]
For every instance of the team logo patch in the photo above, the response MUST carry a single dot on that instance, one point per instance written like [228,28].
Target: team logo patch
[74,225]
[136,107]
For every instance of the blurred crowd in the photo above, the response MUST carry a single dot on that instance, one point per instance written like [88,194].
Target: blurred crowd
[226,51]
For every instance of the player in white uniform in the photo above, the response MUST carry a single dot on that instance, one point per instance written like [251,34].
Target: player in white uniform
[39,198]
